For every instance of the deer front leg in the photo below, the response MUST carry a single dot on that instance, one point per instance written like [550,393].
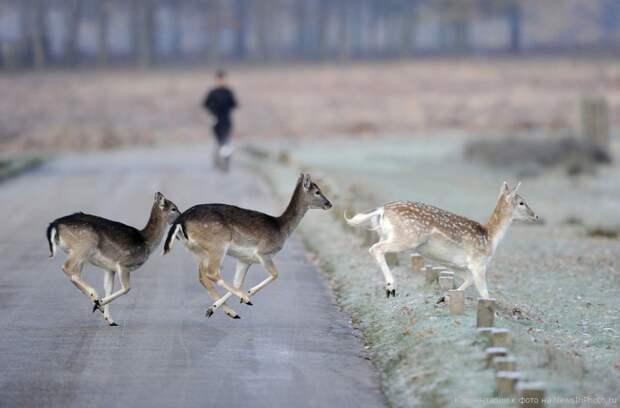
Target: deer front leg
[378,251]
[108,286]
[123,276]
[270,267]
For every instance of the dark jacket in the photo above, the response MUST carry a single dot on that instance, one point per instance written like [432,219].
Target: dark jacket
[220,102]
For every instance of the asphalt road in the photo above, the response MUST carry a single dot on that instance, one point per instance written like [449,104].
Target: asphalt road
[293,348]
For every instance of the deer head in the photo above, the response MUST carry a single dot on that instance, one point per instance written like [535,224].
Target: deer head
[514,206]
[167,208]
[311,196]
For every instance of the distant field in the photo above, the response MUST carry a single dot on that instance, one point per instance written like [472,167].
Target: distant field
[102,109]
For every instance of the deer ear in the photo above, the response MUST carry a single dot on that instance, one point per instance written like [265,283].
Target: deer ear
[505,189]
[514,190]
[160,199]
[306,182]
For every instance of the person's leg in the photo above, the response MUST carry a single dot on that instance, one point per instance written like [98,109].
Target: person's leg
[225,148]
[217,156]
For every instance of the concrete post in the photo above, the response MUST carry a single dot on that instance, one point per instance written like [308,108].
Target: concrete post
[485,333]
[446,282]
[506,381]
[501,338]
[430,275]
[417,263]
[485,316]
[595,122]
[530,394]
[505,363]
[492,352]
[456,302]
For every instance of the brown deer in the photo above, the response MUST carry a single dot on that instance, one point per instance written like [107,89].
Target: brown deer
[212,231]
[456,242]
[115,247]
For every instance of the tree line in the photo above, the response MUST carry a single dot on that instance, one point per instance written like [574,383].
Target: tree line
[39,33]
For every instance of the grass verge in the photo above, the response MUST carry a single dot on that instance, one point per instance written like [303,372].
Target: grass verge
[13,167]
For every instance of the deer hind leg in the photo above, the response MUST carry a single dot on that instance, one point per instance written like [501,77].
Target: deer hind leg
[219,301]
[73,269]
[214,265]
[108,286]
[378,251]
[480,280]
[240,273]
[270,267]
[469,279]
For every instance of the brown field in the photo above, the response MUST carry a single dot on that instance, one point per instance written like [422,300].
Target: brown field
[91,109]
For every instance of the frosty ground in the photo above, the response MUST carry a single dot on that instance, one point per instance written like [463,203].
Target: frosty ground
[556,286]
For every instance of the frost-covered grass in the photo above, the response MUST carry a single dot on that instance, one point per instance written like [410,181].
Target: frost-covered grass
[557,288]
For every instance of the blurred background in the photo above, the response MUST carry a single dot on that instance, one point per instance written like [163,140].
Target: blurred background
[431,100]
[86,74]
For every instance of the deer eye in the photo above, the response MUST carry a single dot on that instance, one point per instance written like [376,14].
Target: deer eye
[317,193]
[521,203]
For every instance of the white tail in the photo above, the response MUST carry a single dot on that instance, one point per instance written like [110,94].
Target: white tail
[175,233]
[52,241]
[370,220]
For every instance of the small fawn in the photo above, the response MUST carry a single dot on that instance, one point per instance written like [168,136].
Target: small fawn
[115,247]
[456,242]
[212,231]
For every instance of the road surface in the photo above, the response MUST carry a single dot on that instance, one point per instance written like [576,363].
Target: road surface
[293,348]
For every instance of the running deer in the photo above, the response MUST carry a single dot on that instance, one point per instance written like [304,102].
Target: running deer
[114,247]
[456,242]
[212,231]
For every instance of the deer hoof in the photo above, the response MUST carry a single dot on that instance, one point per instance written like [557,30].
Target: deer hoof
[209,312]
[113,324]
[441,300]
[249,303]
[237,317]
[393,292]
[97,305]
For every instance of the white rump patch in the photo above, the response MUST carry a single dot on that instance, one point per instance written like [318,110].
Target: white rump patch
[53,236]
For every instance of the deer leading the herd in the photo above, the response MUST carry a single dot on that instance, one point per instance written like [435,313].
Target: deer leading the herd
[212,231]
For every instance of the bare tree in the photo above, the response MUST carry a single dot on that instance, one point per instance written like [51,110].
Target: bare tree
[408,24]
[241,21]
[514,15]
[262,29]
[145,31]
[213,11]
[102,31]
[455,18]
[73,16]
[37,31]
[176,9]
[344,36]
[323,26]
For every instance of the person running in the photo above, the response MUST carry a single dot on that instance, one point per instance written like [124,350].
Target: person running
[220,101]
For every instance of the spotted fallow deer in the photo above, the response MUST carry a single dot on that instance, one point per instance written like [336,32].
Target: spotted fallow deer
[456,242]
[212,231]
[112,246]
